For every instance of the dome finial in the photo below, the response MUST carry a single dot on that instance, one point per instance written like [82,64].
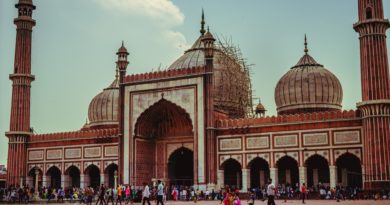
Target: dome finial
[202,23]
[306,50]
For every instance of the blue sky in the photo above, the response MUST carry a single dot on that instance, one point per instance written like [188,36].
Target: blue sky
[74,45]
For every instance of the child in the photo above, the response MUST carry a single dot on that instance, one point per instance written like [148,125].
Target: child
[251,200]
[236,200]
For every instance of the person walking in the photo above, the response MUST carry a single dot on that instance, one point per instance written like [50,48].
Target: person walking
[110,196]
[271,192]
[303,192]
[146,194]
[102,193]
[120,195]
[160,192]
[127,194]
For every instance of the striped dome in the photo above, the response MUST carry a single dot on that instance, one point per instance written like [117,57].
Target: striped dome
[308,87]
[103,109]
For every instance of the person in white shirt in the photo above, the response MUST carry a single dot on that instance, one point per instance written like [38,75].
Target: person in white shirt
[146,194]
[271,193]
[160,192]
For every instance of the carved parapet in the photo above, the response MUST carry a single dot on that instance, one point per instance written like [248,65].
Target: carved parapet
[164,74]
[74,135]
[297,118]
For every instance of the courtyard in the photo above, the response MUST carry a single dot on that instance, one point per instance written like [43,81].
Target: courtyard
[293,202]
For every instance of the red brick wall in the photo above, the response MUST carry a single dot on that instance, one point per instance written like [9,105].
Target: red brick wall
[145,160]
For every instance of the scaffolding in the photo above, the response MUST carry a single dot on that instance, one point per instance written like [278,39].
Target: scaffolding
[233,91]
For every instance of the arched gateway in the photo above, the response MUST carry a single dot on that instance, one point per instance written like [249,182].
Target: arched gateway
[164,145]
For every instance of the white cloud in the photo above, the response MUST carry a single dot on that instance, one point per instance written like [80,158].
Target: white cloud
[177,38]
[164,14]
[163,10]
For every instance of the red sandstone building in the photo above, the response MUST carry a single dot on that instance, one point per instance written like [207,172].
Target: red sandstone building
[176,126]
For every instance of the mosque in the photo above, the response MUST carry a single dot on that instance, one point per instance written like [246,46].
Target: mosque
[186,126]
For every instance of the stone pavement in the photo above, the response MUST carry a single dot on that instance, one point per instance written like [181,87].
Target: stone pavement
[294,202]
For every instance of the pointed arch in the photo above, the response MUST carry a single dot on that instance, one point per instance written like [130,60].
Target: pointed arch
[259,171]
[164,118]
[317,170]
[53,175]
[181,167]
[288,172]
[93,175]
[349,170]
[232,173]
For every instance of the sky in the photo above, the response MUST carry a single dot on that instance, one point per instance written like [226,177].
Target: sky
[74,46]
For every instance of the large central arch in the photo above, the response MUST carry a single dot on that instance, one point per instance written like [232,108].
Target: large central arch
[163,119]
[161,124]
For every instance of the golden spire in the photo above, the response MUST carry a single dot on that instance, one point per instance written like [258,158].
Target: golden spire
[306,50]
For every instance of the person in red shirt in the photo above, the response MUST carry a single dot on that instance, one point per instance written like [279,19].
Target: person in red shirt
[303,192]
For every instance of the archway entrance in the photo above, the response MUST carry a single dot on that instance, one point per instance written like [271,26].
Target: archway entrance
[259,171]
[110,174]
[232,174]
[33,177]
[288,173]
[317,171]
[93,176]
[53,175]
[161,124]
[181,167]
[74,176]
[349,170]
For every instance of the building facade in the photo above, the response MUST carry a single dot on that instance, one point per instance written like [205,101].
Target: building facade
[187,126]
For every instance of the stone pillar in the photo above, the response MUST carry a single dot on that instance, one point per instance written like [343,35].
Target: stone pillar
[36,182]
[274,175]
[82,181]
[302,175]
[333,176]
[262,178]
[115,179]
[245,179]
[221,178]
[102,178]
[44,181]
[63,181]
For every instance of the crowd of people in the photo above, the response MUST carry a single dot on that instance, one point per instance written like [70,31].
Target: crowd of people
[104,195]
[83,195]
[320,191]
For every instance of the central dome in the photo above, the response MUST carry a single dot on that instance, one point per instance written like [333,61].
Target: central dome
[308,87]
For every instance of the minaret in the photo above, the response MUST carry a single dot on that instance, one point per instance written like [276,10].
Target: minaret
[121,64]
[211,168]
[21,85]
[375,105]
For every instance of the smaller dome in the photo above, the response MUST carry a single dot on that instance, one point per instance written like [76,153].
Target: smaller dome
[308,87]
[103,109]
[122,49]
[260,109]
